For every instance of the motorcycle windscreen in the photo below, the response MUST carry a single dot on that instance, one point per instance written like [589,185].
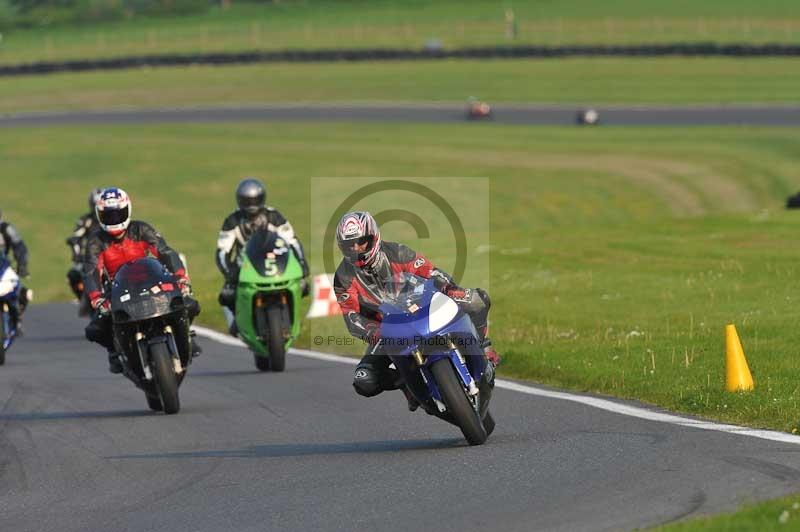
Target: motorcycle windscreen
[268,253]
[140,275]
[136,294]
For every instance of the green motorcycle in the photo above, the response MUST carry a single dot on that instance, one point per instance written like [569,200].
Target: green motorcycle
[268,299]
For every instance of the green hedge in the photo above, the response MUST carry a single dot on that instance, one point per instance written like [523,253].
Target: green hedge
[43,13]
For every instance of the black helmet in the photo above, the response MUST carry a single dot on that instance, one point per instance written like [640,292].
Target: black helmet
[94,195]
[251,195]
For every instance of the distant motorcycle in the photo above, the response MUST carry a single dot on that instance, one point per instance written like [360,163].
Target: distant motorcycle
[150,320]
[478,110]
[9,295]
[268,299]
[435,348]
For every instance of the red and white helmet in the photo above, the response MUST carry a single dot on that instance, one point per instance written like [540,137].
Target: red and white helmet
[113,210]
[354,231]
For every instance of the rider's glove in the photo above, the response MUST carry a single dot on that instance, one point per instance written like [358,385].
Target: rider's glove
[373,333]
[461,295]
[22,271]
[185,285]
[101,305]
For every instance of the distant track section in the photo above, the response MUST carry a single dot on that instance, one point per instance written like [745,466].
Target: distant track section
[765,115]
[403,54]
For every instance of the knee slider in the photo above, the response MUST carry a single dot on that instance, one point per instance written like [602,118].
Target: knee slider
[366,382]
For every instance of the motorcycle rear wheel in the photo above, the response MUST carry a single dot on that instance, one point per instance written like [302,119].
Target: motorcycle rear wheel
[457,403]
[488,423]
[154,403]
[164,375]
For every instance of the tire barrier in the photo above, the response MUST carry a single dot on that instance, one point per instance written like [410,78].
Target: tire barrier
[399,54]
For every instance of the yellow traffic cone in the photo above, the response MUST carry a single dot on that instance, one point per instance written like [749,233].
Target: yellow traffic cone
[738,378]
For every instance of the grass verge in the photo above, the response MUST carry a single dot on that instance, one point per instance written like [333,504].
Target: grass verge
[617,255]
[779,514]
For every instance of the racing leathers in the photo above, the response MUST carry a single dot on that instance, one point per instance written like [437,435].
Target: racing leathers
[236,230]
[77,245]
[360,290]
[11,241]
[105,254]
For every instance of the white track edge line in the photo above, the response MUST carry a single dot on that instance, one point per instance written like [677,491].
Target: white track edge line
[595,402]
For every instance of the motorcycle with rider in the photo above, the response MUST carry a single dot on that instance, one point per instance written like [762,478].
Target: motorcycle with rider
[142,314]
[265,271]
[415,317]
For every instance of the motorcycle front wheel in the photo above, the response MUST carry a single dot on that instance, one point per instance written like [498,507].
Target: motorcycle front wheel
[164,375]
[277,347]
[457,403]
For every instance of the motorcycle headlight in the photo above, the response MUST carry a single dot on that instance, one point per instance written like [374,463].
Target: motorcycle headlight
[442,311]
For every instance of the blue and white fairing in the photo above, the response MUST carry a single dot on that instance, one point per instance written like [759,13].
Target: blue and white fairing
[418,318]
[9,293]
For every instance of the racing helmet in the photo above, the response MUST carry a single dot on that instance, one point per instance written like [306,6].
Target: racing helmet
[359,238]
[251,196]
[113,211]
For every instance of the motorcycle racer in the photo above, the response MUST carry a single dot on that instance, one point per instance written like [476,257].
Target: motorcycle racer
[11,241]
[119,241]
[251,215]
[360,281]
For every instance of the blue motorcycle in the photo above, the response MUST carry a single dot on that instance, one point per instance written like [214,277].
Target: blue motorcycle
[437,353]
[9,295]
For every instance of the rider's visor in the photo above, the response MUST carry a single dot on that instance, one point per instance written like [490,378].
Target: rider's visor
[354,247]
[114,216]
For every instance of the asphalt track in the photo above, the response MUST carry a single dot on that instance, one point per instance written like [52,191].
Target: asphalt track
[767,115]
[80,451]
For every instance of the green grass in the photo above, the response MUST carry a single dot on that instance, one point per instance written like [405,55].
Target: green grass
[780,514]
[319,24]
[618,254]
[573,81]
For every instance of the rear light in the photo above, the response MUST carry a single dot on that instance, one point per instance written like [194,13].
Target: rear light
[167,287]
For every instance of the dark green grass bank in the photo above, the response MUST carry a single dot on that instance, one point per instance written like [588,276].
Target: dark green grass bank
[361,24]
[617,255]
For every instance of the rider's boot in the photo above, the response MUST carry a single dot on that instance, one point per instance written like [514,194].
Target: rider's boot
[114,363]
[196,349]
[413,404]
[230,319]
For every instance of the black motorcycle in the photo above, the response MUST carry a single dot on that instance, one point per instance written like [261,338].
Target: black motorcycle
[151,322]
